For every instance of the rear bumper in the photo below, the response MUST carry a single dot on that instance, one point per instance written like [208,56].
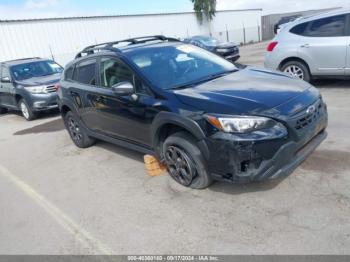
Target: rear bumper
[273,60]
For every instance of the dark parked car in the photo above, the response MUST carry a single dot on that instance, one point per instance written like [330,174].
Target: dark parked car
[28,85]
[196,112]
[229,51]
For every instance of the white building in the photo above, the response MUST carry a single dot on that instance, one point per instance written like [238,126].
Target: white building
[62,38]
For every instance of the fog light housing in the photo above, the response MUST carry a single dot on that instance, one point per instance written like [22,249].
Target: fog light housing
[39,104]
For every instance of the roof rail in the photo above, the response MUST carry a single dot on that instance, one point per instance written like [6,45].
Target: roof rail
[20,59]
[92,50]
[108,46]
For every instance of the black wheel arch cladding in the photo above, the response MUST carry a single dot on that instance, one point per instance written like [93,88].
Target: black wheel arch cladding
[184,123]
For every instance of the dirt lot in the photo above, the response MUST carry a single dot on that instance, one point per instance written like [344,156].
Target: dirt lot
[58,199]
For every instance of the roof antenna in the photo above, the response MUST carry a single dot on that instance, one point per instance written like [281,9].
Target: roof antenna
[53,58]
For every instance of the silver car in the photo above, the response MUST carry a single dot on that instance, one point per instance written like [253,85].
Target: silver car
[313,47]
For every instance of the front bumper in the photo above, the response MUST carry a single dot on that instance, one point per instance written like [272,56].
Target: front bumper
[286,159]
[246,161]
[231,56]
[42,102]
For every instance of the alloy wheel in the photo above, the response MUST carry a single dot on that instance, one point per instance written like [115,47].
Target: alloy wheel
[295,71]
[74,130]
[180,166]
[24,110]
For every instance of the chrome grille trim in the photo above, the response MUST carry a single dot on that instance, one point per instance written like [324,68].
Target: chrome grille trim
[304,120]
[50,89]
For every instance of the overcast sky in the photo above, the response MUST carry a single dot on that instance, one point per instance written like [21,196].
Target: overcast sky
[19,9]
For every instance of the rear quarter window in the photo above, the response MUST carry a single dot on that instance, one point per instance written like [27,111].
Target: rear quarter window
[85,72]
[68,74]
[299,29]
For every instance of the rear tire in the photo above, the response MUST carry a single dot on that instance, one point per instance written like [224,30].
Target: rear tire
[27,112]
[185,162]
[77,131]
[297,69]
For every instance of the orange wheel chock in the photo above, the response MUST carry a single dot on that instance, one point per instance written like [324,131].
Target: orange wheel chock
[153,166]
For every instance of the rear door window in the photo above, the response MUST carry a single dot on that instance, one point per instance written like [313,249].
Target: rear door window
[333,26]
[85,72]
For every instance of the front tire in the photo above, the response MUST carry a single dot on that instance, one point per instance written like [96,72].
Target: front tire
[77,132]
[185,162]
[297,69]
[3,110]
[27,112]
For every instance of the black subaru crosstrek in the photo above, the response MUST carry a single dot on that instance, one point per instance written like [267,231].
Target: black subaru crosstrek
[28,85]
[196,112]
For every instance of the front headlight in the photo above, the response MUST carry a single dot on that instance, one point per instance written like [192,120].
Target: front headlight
[241,124]
[36,89]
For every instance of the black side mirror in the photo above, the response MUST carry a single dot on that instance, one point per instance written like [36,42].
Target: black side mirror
[5,79]
[123,88]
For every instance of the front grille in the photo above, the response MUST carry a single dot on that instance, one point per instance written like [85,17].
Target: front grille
[50,89]
[308,118]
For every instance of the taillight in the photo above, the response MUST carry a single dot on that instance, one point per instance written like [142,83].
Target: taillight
[271,46]
[57,87]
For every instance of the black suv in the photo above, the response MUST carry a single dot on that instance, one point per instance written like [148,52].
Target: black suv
[28,85]
[196,112]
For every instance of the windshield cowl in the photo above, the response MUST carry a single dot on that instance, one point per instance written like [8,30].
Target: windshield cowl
[205,79]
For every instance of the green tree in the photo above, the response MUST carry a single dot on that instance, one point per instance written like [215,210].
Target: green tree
[204,8]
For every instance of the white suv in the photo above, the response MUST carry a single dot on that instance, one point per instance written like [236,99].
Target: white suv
[313,47]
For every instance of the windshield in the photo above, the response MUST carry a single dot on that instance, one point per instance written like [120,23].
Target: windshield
[170,67]
[208,41]
[35,69]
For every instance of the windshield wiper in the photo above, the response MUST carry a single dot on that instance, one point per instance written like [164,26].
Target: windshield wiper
[203,79]
[217,75]
[47,74]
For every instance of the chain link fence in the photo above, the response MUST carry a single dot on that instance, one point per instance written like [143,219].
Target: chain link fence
[242,36]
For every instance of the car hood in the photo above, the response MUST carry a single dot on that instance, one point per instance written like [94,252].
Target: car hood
[221,45]
[43,80]
[246,91]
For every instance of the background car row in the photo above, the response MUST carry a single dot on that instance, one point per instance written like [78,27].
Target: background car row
[306,48]
[313,47]
[28,85]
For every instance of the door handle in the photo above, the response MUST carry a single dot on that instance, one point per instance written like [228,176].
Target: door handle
[305,46]
[76,98]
